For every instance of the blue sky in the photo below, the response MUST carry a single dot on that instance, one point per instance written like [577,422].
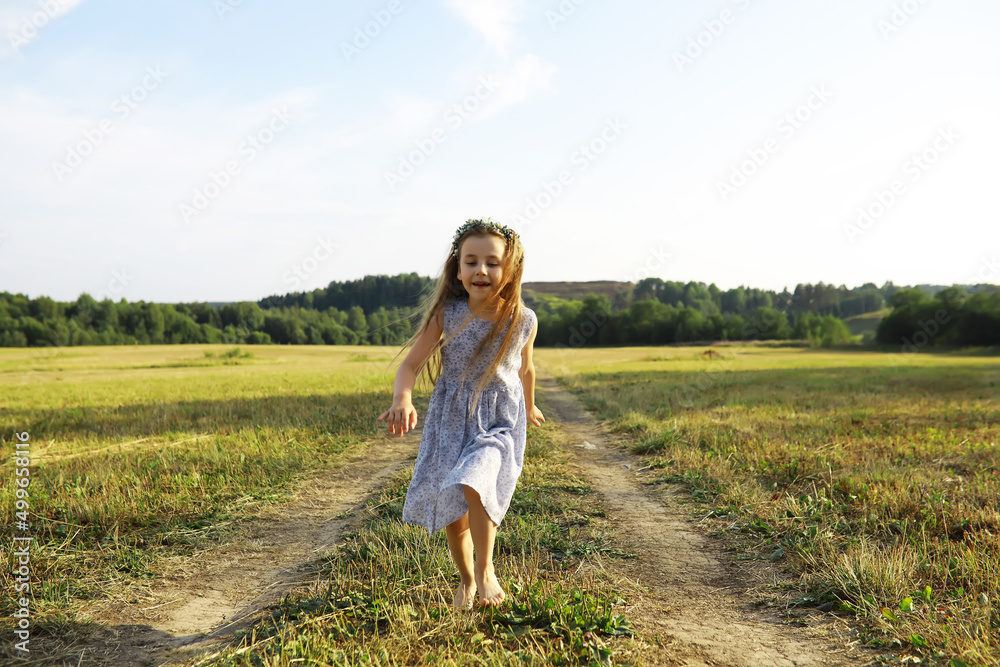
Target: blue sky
[217,150]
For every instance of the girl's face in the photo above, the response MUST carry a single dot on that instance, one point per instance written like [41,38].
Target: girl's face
[480,265]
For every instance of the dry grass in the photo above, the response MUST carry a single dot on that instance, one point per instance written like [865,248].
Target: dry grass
[872,476]
[384,596]
[142,453]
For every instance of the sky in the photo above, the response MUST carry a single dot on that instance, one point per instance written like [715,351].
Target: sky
[226,150]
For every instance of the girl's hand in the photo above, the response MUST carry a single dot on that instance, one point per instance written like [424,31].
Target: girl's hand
[402,417]
[535,416]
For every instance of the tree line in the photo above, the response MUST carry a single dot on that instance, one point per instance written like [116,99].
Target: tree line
[43,322]
[406,290]
[819,299]
[949,317]
[592,322]
[382,310]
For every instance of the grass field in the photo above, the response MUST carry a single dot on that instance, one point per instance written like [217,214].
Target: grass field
[386,601]
[139,453]
[871,477]
[142,451]
[874,477]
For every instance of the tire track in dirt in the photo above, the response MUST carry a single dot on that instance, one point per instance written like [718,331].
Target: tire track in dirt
[694,604]
[224,588]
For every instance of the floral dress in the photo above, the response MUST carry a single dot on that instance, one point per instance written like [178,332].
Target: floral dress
[481,448]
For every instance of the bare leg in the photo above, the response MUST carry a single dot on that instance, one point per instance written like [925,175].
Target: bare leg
[483,535]
[460,544]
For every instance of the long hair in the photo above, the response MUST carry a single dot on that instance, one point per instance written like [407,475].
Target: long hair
[506,301]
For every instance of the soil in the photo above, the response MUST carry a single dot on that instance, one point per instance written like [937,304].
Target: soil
[211,595]
[697,605]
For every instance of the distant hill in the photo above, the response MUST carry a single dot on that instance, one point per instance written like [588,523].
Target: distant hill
[971,289]
[860,324]
[577,290]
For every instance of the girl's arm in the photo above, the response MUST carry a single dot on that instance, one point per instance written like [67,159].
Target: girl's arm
[527,374]
[402,416]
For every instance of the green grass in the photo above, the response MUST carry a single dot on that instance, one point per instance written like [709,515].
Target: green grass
[384,597]
[143,453]
[874,479]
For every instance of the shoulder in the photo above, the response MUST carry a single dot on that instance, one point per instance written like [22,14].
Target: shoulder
[528,319]
[441,313]
[449,307]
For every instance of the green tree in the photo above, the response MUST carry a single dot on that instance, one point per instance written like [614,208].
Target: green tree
[356,321]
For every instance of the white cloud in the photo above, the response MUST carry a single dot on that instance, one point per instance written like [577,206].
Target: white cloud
[408,116]
[23,21]
[493,18]
[528,75]
[520,78]
[408,113]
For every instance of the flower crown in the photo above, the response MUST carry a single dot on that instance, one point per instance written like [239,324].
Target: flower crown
[506,231]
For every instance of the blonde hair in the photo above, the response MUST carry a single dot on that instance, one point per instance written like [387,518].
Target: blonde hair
[507,298]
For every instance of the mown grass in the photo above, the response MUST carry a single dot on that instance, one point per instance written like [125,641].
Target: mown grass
[138,453]
[873,477]
[384,596]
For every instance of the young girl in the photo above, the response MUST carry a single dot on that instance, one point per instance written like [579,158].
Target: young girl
[472,447]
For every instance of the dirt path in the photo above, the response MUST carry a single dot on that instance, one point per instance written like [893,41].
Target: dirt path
[694,604]
[221,590]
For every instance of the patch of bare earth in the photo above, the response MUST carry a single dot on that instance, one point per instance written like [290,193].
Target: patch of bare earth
[698,608]
[210,595]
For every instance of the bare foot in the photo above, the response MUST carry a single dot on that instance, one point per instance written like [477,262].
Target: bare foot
[490,593]
[464,595]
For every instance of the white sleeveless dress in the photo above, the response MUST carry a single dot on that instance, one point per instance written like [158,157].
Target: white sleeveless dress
[483,449]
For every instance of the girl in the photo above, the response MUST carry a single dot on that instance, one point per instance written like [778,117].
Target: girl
[472,446]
